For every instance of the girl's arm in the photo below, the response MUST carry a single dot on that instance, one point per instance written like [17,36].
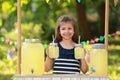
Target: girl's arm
[48,62]
[84,66]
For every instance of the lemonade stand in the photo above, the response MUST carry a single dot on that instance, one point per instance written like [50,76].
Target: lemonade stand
[31,58]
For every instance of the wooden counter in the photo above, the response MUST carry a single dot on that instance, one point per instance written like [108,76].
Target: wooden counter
[60,77]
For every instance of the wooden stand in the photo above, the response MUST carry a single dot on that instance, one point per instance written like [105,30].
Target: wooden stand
[57,77]
[60,77]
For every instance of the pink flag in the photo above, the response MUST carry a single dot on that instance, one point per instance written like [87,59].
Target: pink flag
[115,2]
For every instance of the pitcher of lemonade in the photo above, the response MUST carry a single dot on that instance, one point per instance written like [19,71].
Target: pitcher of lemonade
[98,60]
[79,50]
[53,49]
[32,57]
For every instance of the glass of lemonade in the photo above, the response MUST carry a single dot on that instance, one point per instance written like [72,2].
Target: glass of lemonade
[79,51]
[53,50]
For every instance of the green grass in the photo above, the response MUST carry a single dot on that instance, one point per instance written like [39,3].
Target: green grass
[114,62]
[6,77]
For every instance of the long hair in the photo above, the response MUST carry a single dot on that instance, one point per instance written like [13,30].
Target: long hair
[64,19]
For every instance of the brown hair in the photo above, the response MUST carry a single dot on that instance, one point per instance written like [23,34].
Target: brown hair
[63,19]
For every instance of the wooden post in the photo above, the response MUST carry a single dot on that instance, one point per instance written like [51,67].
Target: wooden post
[19,34]
[106,23]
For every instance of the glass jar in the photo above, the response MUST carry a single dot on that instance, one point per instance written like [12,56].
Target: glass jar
[32,57]
[98,60]
[53,50]
[79,51]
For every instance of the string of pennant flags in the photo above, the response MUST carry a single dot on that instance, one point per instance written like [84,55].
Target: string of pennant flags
[8,41]
[91,41]
[99,39]
[12,50]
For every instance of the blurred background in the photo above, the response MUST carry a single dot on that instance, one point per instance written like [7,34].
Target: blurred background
[38,20]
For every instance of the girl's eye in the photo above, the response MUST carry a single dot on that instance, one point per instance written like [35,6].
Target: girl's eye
[69,28]
[66,28]
[62,28]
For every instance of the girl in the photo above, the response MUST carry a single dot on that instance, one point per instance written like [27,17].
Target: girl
[66,35]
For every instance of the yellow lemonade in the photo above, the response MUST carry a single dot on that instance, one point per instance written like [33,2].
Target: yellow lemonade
[79,51]
[98,62]
[32,58]
[53,50]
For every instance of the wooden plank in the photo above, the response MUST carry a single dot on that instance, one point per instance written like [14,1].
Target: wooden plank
[60,77]
[106,23]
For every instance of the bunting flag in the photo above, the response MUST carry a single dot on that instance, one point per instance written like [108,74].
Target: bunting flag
[91,41]
[78,1]
[115,2]
[100,39]
[8,41]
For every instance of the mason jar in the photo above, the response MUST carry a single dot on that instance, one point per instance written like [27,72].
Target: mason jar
[32,57]
[98,60]
[53,50]
[79,52]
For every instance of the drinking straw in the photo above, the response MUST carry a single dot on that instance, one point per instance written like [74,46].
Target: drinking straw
[53,38]
[79,40]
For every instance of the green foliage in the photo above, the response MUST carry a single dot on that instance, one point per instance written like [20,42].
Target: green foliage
[3,50]
[39,21]
[40,12]
[8,13]
[5,77]
[8,66]
[27,29]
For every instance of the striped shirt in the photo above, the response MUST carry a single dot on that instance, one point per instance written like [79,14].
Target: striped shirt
[66,63]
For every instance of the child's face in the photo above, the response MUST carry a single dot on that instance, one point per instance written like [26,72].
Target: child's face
[67,31]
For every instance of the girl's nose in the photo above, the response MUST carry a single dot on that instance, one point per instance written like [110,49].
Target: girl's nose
[66,30]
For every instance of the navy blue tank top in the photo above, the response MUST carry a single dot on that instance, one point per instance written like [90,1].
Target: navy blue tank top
[66,63]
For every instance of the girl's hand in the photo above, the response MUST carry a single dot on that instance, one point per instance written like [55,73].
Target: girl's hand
[87,55]
[48,61]
[47,51]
